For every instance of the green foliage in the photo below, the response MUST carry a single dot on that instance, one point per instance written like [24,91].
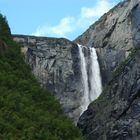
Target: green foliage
[5,33]
[27,111]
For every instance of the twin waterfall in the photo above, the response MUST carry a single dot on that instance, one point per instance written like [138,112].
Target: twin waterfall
[91,79]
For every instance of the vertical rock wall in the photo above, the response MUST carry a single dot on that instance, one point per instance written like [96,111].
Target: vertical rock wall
[55,63]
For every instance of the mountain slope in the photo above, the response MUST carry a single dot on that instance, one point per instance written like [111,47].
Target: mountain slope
[115,115]
[27,111]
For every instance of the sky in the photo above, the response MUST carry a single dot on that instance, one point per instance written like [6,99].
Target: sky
[53,18]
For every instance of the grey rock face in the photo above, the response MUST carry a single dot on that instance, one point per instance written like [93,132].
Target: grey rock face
[55,63]
[114,35]
[115,115]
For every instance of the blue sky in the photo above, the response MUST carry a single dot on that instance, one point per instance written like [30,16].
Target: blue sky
[53,18]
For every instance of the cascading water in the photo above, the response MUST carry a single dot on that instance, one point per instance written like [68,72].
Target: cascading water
[85,100]
[91,82]
[95,77]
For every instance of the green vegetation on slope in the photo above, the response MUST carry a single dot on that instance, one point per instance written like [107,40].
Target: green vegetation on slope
[27,112]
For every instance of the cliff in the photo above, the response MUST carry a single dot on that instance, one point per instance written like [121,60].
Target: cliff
[55,63]
[116,36]
[115,114]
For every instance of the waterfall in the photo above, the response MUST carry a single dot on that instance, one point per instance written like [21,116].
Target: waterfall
[91,79]
[95,77]
[85,99]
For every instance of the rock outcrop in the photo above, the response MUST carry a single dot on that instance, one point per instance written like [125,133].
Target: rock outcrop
[115,115]
[55,63]
[113,36]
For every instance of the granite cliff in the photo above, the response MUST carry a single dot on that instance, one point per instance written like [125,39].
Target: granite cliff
[55,63]
[115,115]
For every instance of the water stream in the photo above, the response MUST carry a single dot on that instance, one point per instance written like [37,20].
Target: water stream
[84,78]
[91,78]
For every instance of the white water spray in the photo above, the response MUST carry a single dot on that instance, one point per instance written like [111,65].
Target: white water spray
[92,80]
[95,77]
[85,99]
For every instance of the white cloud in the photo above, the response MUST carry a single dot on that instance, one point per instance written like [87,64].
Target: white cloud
[61,29]
[99,9]
[87,16]
[64,26]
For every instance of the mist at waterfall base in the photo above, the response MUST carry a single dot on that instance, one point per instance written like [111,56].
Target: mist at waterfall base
[90,76]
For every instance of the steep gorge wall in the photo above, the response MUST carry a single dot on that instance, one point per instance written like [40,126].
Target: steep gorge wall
[55,63]
[115,115]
